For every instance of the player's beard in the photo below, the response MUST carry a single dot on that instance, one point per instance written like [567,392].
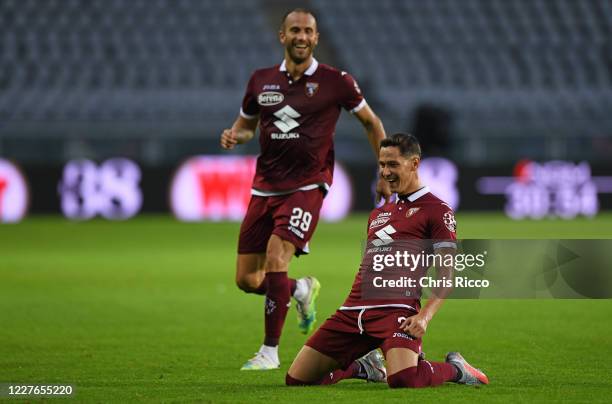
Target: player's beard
[299,58]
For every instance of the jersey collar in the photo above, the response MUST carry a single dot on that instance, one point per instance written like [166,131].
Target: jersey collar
[414,196]
[309,72]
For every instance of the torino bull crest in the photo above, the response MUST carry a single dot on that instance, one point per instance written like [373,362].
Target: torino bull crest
[311,88]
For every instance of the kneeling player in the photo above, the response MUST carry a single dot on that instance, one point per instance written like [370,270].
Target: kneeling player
[372,317]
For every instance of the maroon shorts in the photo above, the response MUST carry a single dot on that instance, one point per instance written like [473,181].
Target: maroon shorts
[292,217]
[348,335]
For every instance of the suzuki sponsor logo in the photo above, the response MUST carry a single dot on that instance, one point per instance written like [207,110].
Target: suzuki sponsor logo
[383,235]
[270,98]
[286,119]
[284,136]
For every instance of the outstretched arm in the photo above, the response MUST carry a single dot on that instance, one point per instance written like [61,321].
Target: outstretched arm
[376,133]
[241,131]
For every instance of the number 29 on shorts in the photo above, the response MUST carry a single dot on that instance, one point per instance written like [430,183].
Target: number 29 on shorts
[300,219]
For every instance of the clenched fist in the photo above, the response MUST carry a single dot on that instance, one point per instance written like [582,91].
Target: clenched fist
[229,139]
[415,325]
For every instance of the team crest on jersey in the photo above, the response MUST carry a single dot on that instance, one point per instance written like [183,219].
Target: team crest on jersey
[381,219]
[450,222]
[311,88]
[412,211]
[269,98]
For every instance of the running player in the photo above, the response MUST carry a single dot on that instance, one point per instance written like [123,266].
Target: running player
[390,318]
[296,105]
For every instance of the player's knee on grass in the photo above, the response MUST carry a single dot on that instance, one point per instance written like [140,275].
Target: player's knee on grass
[291,381]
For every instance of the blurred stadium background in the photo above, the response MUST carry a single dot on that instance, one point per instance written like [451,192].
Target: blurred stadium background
[489,86]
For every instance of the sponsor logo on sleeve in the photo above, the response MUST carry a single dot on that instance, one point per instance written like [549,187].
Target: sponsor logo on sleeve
[268,98]
[449,221]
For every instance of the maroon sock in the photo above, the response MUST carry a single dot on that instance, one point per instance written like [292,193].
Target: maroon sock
[424,375]
[263,287]
[352,372]
[278,298]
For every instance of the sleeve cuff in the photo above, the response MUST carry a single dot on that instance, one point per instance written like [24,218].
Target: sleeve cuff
[362,104]
[246,116]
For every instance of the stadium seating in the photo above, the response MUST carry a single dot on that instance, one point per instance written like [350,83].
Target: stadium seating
[498,64]
[128,60]
[504,68]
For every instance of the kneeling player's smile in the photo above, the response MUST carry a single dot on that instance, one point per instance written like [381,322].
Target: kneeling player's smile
[398,171]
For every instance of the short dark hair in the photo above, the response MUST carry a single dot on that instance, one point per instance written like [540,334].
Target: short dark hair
[407,144]
[297,10]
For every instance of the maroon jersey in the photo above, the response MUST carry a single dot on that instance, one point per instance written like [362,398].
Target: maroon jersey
[418,224]
[297,120]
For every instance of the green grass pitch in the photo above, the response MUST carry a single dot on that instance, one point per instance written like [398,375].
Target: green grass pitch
[147,310]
